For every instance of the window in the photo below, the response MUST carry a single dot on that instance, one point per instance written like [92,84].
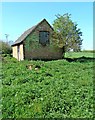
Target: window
[44,37]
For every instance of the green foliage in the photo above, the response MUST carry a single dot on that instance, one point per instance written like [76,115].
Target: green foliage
[32,41]
[5,48]
[57,89]
[66,34]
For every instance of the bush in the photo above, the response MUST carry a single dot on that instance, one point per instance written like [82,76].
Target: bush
[5,48]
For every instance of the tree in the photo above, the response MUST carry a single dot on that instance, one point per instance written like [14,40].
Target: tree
[66,35]
[5,48]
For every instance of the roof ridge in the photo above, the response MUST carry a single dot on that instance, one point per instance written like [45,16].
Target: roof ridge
[27,32]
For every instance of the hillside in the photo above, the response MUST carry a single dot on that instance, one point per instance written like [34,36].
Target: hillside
[52,89]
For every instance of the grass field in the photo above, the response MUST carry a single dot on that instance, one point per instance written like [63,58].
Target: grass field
[80,54]
[52,89]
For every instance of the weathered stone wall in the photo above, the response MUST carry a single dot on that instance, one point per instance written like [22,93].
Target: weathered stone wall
[34,50]
[45,53]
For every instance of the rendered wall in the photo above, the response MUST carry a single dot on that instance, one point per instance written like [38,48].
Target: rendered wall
[14,49]
[21,55]
[18,55]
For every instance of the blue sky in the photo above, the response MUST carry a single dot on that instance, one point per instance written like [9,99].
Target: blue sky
[19,16]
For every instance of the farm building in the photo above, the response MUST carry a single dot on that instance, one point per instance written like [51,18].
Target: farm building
[37,43]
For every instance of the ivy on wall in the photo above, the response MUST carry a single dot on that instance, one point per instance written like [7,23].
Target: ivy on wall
[32,41]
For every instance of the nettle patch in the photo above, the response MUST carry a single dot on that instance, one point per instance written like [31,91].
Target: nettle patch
[53,89]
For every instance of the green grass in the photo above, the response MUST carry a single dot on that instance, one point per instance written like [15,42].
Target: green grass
[0,88]
[57,89]
[80,54]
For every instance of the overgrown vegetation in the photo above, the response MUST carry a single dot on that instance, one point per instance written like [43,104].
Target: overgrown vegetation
[66,33]
[53,89]
[5,48]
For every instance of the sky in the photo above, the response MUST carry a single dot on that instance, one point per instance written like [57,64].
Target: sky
[17,17]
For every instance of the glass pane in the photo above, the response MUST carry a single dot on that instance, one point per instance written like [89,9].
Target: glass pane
[44,37]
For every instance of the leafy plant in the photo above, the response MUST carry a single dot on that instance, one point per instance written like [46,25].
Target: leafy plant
[57,89]
[5,48]
[66,34]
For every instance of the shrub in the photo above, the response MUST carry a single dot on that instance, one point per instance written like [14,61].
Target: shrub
[5,48]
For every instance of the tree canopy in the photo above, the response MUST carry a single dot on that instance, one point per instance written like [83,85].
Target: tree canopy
[5,48]
[66,34]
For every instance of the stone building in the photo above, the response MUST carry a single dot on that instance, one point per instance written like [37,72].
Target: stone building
[37,43]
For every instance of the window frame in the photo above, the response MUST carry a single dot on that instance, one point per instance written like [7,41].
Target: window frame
[48,37]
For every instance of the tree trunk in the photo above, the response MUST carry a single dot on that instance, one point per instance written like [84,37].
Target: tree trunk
[63,51]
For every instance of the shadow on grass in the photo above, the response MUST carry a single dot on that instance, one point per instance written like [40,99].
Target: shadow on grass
[81,59]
